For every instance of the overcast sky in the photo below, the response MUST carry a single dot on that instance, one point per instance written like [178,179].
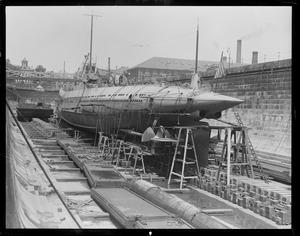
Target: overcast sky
[129,35]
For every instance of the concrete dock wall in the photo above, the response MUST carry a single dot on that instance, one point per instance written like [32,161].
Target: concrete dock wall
[266,90]
[30,202]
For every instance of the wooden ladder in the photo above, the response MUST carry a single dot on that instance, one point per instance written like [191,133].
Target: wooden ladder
[185,161]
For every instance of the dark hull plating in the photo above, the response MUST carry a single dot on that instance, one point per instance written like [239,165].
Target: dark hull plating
[29,113]
[110,123]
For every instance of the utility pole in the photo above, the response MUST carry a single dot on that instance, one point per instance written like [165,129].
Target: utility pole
[91,43]
[64,67]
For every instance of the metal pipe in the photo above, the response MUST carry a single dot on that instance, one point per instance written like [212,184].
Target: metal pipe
[175,205]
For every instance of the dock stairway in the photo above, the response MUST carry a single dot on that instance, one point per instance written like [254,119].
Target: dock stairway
[184,159]
[238,153]
[252,151]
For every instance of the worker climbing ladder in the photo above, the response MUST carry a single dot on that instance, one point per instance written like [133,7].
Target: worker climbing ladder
[251,150]
[185,160]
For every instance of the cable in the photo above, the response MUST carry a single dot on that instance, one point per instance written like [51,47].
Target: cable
[96,133]
[119,123]
[128,123]
[166,40]
[128,43]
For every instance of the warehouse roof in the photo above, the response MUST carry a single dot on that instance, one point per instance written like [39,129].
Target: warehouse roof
[177,64]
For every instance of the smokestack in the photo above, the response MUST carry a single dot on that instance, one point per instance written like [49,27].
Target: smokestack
[254,57]
[239,51]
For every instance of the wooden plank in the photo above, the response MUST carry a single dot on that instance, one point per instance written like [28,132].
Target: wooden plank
[53,162]
[54,155]
[77,192]
[218,211]
[71,179]
[65,169]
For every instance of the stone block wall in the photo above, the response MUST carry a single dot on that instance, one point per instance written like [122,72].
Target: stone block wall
[266,89]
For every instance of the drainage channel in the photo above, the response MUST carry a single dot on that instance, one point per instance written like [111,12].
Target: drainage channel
[125,208]
[70,181]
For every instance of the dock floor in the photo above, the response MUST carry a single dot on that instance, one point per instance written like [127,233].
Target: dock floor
[95,191]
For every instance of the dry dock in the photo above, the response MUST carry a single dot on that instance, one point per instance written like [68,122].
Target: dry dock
[266,111]
[68,183]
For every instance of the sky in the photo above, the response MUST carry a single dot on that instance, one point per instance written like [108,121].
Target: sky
[129,35]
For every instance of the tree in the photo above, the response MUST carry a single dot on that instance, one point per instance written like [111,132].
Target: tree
[12,67]
[40,68]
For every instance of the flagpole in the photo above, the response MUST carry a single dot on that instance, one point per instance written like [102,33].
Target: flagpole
[218,76]
[195,81]
[197,39]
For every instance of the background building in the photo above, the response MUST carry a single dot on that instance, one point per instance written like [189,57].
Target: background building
[25,68]
[157,69]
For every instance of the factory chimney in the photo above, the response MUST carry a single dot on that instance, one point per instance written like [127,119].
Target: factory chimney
[254,57]
[239,51]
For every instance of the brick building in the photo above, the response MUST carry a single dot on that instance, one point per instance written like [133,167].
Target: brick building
[157,69]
